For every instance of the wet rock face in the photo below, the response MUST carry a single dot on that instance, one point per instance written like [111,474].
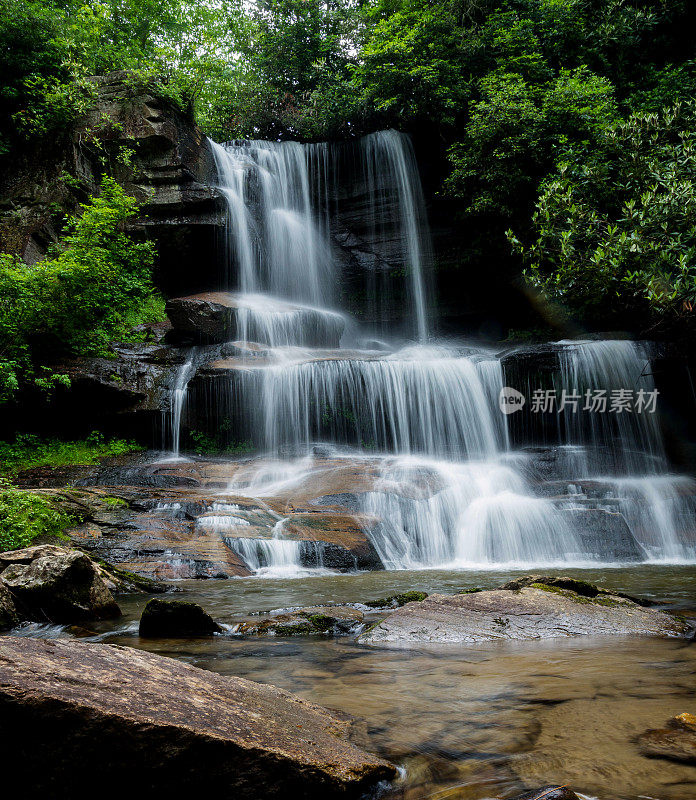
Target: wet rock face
[8,611]
[173,618]
[175,520]
[521,612]
[173,729]
[225,317]
[49,583]
[548,793]
[676,742]
[135,382]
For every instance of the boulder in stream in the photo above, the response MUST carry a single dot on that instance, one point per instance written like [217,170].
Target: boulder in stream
[326,620]
[173,618]
[56,584]
[85,715]
[524,611]
[676,742]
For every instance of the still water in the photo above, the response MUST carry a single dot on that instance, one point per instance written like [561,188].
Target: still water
[467,722]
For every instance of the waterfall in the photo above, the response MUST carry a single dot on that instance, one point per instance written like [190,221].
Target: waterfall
[396,201]
[416,419]
[178,398]
[424,400]
[634,439]
[480,513]
[278,238]
[278,197]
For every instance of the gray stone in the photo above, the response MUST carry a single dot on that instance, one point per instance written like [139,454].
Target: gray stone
[538,611]
[55,584]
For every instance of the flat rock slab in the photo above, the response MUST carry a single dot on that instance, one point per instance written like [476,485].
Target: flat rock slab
[82,714]
[528,613]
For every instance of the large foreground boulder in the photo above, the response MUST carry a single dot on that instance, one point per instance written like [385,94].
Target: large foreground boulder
[524,611]
[79,716]
[56,584]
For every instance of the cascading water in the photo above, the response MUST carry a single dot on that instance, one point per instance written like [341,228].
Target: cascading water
[422,419]
[424,400]
[178,399]
[396,202]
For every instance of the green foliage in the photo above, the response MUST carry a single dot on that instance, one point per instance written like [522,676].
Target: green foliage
[616,225]
[516,129]
[29,452]
[291,74]
[24,516]
[37,90]
[505,89]
[91,290]
[205,444]
[410,66]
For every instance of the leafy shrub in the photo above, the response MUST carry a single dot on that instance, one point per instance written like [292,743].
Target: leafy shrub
[24,516]
[616,226]
[92,289]
[29,452]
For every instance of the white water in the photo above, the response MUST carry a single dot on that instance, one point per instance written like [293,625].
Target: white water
[421,418]
[421,399]
[396,202]
[178,399]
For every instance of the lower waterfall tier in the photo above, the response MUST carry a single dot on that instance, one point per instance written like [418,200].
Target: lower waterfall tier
[412,444]
[293,517]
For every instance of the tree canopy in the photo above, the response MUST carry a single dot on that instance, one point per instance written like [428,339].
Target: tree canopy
[521,98]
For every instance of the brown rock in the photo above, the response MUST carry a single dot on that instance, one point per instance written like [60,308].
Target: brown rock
[84,714]
[676,742]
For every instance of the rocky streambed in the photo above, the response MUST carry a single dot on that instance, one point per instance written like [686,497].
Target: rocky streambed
[487,716]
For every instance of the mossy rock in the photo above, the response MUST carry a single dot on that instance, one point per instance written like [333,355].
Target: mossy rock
[397,600]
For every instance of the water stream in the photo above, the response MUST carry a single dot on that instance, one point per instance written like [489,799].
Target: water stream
[465,723]
[307,379]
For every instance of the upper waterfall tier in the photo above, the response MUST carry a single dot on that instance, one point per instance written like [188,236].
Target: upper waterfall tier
[419,400]
[283,199]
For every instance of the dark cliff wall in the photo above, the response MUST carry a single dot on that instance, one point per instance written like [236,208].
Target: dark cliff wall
[157,154]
